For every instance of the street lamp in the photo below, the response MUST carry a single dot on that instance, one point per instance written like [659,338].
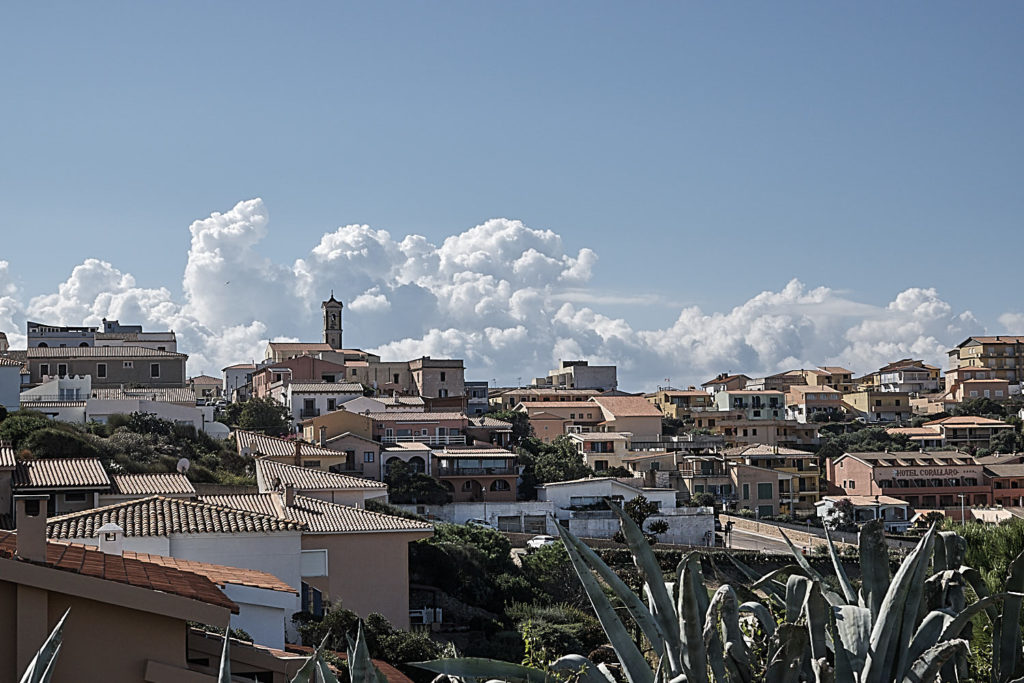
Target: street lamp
[963,518]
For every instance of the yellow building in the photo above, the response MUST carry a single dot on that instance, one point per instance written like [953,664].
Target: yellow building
[879,406]
[680,404]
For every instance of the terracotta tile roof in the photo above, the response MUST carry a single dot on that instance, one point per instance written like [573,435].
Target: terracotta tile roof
[100,352]
[128,570]
[206,379]
[409,416]
[7,461]
[319,516]
[1001,339]
[489,422]
[723,380]
[309,478]
[683,392]
[300,346]
[159,516]
[261,444]
[626,406]
[764,450]
[56,473]
[30,404]
[400,400]
[219,574]
[968,421]
[152,484]
[602,436]
[9,362]
[326,388]
[923,432]
[541,405]
[1011,470]
[241,366]
[913,458]
[808,389]
[867,501]
[748,392]
[183,395]
[836,370]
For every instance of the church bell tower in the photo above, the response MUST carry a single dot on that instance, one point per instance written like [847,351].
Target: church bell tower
[332,322]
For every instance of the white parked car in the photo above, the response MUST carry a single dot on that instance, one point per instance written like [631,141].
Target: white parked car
[538,542]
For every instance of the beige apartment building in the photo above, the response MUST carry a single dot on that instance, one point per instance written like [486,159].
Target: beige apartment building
[874,406]
[1002,354]
[678,404]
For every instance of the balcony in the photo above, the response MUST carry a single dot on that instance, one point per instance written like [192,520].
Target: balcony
[307,413]
[476,471]
[458,439]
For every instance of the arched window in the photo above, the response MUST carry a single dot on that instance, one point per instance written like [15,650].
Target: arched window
[43,345]
[500,485]
[467,486]
[85,344]
[417,464]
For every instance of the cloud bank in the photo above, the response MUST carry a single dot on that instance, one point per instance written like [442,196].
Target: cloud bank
[509,299]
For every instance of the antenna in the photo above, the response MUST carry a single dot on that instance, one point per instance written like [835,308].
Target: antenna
[183,465]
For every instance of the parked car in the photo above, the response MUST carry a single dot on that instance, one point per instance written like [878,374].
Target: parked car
[481,522]
[538,542]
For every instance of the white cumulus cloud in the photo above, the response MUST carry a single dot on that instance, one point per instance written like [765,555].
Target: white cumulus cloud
[509,299]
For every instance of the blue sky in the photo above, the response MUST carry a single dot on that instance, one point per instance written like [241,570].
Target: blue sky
[704,151]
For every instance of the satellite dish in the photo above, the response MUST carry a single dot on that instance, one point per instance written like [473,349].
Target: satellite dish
[183,465]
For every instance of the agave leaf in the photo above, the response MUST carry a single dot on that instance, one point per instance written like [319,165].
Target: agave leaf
[40,669]
[796,593]
[647,563]
[810,571]
[815,611]
[586,670]
[929,633]
[315,669]
[224,673]
[724,610]
[634,605]
[788,570]
[1006,649]
[844,580]
[787,655]
[926,667]
[361,668]
[853,628]
[715,649]
[954,627]
[692,606]
[874,566]
[890,634]
[477,667]
[973,578]
[775,593]
[634,666]
[950,549]
[763,616]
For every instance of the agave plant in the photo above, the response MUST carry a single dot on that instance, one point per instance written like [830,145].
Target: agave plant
[904,627]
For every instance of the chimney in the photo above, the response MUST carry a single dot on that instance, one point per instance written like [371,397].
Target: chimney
[289,495]
[111,539]
[31,526]
[298,453]
[323,435]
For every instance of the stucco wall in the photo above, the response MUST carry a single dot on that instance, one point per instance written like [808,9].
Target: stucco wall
[367,572]
[693,529]
[10,387]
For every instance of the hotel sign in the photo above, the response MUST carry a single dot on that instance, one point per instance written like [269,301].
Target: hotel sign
[882,473]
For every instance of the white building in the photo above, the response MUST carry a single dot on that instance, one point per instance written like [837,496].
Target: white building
[310,399]
[893,512]
[189,530]
[236,380]
[10,383]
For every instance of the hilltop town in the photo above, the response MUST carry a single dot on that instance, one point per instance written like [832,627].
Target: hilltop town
[325,483]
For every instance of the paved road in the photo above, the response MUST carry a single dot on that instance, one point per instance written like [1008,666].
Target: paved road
[744,540]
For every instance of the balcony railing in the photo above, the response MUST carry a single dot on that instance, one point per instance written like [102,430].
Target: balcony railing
[475,471]
[426,439]
[307,413]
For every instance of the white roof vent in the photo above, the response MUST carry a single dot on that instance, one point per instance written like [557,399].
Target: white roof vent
[111,539]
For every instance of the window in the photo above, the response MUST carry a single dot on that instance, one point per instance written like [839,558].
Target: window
[101,369]
[42,345]
[590,416]
[442,377]
[746,492]
[44,369]
[878,402]
[161,348]
[353,372]
[853,484]
[367,456]
[765,490]
[62,369]
[395,381]
[311,463]
[154,370]
[78,497]
[128,364]
[332,404]
[467,486]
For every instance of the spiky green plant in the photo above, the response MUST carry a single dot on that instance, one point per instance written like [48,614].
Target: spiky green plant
[903,627]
